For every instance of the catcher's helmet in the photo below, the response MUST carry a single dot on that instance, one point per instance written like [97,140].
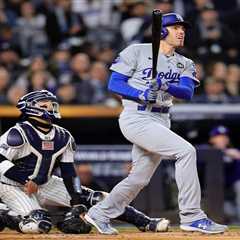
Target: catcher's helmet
[27,105]
[171,19]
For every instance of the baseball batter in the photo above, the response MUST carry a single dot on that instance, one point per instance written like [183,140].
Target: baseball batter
[30,151]
[147,126]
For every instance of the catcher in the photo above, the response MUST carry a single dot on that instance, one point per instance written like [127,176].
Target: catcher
[29,153]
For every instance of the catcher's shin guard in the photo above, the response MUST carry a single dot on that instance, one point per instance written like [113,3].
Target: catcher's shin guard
[135,217]
[10,220]
[143,222]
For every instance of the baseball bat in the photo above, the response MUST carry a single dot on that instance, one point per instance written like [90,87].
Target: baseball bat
[156,36]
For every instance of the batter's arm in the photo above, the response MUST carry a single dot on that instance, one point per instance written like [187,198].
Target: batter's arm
[184,90]
[118,84]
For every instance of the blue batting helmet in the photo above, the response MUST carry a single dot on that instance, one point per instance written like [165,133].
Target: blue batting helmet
[171,19]
[27,105]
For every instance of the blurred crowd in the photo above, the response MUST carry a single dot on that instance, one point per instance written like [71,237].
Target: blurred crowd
[67,46]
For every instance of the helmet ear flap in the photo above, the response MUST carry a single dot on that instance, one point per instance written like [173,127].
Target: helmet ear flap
[164,33]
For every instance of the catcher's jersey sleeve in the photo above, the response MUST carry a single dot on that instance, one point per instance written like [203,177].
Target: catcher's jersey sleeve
[9,152]
[190,71]
[126,61]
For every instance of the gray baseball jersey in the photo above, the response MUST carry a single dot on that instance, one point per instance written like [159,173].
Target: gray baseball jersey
[151,136]
[136,62]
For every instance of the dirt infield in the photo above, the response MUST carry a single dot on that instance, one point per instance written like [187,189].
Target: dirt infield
[126,234]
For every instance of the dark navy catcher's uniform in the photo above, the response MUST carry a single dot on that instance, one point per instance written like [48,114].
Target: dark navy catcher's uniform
[30,152]
[35,156]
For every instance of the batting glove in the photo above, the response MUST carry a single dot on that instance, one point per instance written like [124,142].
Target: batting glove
[149,95]
[162,85]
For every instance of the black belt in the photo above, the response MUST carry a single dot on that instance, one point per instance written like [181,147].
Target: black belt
[154,109]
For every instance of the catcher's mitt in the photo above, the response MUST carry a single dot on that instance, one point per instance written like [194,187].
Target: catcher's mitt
[74,222]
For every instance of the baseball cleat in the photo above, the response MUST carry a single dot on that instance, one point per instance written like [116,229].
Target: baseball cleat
[204,225]
[158,225]
[102,227]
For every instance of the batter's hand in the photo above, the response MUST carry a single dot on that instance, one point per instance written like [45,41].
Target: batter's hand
[30,187]
[162,85]
[149,95]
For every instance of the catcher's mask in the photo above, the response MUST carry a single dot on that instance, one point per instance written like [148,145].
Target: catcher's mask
[29,105]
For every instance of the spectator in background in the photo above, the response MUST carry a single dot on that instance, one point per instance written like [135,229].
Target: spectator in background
[106,55]
[218,70]
[131,26]
[214,92]
[95,13]
[194,8]
[14,94]
[67,93]
[80,66]
[85,172]
[166,6]
[7,16]
[30,31]
[4,82]
[211,40]
[78,78]
[7,37]
[9,58]
[39,80]
[232,81]
[14,5]
[98,78]
[65,25]
[38,64]
[219,139]
[59,62]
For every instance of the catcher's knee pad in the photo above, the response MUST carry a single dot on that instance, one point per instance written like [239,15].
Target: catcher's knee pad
[38,221]
[74,222]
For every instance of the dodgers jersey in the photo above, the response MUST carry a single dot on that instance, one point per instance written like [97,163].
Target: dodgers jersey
[135,61]
[39,154]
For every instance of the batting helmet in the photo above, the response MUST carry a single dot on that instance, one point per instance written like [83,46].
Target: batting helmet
[27,105]
[171,19]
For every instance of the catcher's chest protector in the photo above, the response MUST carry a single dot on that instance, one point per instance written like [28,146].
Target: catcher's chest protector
[44,153]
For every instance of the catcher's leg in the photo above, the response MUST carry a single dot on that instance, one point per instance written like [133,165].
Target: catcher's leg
[54,193]
[24,213]
[130,215]
[9,218]
[143,222]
